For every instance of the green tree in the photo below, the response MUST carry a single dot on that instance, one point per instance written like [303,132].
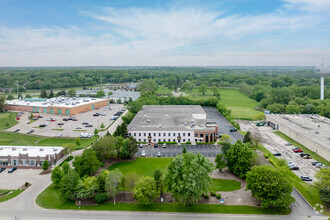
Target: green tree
[239,159]
[2,103]
[128,117]
[106,148]
[7,124]
[135,106]
[28,96]
[96,132]
[121,130]
[184,150]
[86,187]
[128,148]
[10,97]
[259,117]
[19,96]
[276,108]
[225,138]
[323,185]
[87,163]
[66,167]
[100,94]
[69,148]
[292,109]
[78,142]
[270,186]
[102,126]
[220,161]
[100,180]
[112,183]
[202,89]
[158,178]
[187,177]
[69,184]
[147,85]
[57,175]
[188,86]
[72,92]
[145,191]
[247,137]
[45,165]
[43,94]
[215,90]
[51,94]
[131,179]
[225,147]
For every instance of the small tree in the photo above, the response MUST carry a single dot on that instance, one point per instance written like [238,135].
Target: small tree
[102,125]
[7,124]
[202,89]
[123,183]
[57,175]
[225,138]
[145,191]
[66,167]
[247,138]
[220,161]
[158,177]
[69,184]
[259,117]
[78,141]
[45,165]
[323,185]
[96,132]
[184,150]
[72,92]
[100,180]
[131,179]
[51,94]
[69,148]
[108,133]
[239,158]
[112,183]
[10,97]
[87,163]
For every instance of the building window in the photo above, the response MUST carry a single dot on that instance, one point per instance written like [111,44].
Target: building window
[139,134]
[196,135]
[201,135]
[184,140]
[139,140]
[173,140]
[164,140]
[188,134]
[144,134]
[173,134]
[169,134]
[184,134]
[169,140]
[144,140]
[164,134]
[134,134]
[188,139]
[129,134]
[179,135]
[154,134]
[159,134]
[154,140]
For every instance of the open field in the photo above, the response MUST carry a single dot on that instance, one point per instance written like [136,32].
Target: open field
[162,90]
[7,116]
[22,140]
[241,106]
[52,199]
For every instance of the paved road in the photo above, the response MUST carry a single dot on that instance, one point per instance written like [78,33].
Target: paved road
[224,125]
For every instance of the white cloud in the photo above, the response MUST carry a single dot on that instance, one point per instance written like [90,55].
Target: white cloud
[309,5]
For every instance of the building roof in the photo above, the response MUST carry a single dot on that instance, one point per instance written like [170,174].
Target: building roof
[54,102]
[171,118]
[315,127]
[33,151]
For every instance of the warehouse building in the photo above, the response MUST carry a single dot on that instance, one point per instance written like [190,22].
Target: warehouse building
[312,131]
[29,157]
[172,123]
[58,106]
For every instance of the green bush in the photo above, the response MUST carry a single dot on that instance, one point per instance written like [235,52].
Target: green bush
[101,198]
[26,184]
[206,196]
[162,142]
[254,148]
[213,142]
[218,196]
[212,193]
[266,155]
[272,161]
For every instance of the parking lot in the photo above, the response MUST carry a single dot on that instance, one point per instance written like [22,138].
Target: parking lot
[174,150]
[69,128]
[274,144]
[18,178]
[224,125]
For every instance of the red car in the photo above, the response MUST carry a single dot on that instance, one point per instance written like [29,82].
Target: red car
[297,150]
[52,120]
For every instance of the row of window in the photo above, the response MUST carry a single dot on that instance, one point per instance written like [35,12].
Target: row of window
[160,134]
[164,140]
[24,162]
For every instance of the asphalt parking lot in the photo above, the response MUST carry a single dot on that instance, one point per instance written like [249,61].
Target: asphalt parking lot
[174,150]
[224,125]
[69,128]
[18,178]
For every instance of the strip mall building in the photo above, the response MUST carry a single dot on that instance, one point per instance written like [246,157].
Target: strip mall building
[58,106]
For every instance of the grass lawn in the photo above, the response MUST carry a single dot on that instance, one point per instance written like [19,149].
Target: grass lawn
[162,90]
[241,106]
[224,185]
[15,192]
[22,140]
[7,116]
[52,199]
[305,149]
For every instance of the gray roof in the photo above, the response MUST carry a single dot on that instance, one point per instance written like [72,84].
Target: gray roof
[170,118]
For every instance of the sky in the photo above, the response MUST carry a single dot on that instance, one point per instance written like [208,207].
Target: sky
[164,33]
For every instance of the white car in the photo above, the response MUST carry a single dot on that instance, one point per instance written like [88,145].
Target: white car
[164,145]
[48,119]
[143,154]
[103,114]
[141,145]
[59,135]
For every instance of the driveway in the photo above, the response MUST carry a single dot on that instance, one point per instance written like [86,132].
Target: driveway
[16,179]
[224,125]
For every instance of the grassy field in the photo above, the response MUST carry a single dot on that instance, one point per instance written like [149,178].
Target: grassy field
[241,106]
[7,116]
[51,198]
[305,149]
[14,193]
[22,140]
[147,166]
[162,90]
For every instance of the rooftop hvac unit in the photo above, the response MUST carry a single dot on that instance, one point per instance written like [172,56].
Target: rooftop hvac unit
[148,121]
[140,123]
[24,149]
[55,149]
[185,123]
[1,148]
[41,149]
[67,103]
[14,148]
[160,126]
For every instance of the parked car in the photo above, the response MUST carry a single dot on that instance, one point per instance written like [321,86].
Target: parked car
[53,120]
[164,145]
[314,163]
[48,119]
[88,126]
[2,169]
[103,114]
[60,123]
[85,123]
[70,118]
[297,150]
[59,135]
[141,145]
[113,118]
[12,169]
[39,116]
[96,114]
[319,165]
[287,144]
[30,132]
[156,145]
[65,119]
[143,154]
[277,154]
[78,127]
[75,119]
[233,130]
[294,167]
[159,154]
[16,130]
[307,156]
[42,125]
[306,178]
[303,154]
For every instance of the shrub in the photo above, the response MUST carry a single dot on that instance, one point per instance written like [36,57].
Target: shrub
[206,196]
[101,198]
[218,196]
[45,165]
[254,148]
[26,184]
[272,161]
[266,155]
[212,193]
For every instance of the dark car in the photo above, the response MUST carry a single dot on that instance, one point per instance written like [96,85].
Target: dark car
[294,168]
[233,130]
[60,123]
[12,169]
[30,132]
[70,118]
[306,178]
[65,119]
[156,145]
[96,114]
[16,130]
[304,154]
[85,123]
[2,169]
[42,125]
[88,126]
[277,154]
[40,116]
